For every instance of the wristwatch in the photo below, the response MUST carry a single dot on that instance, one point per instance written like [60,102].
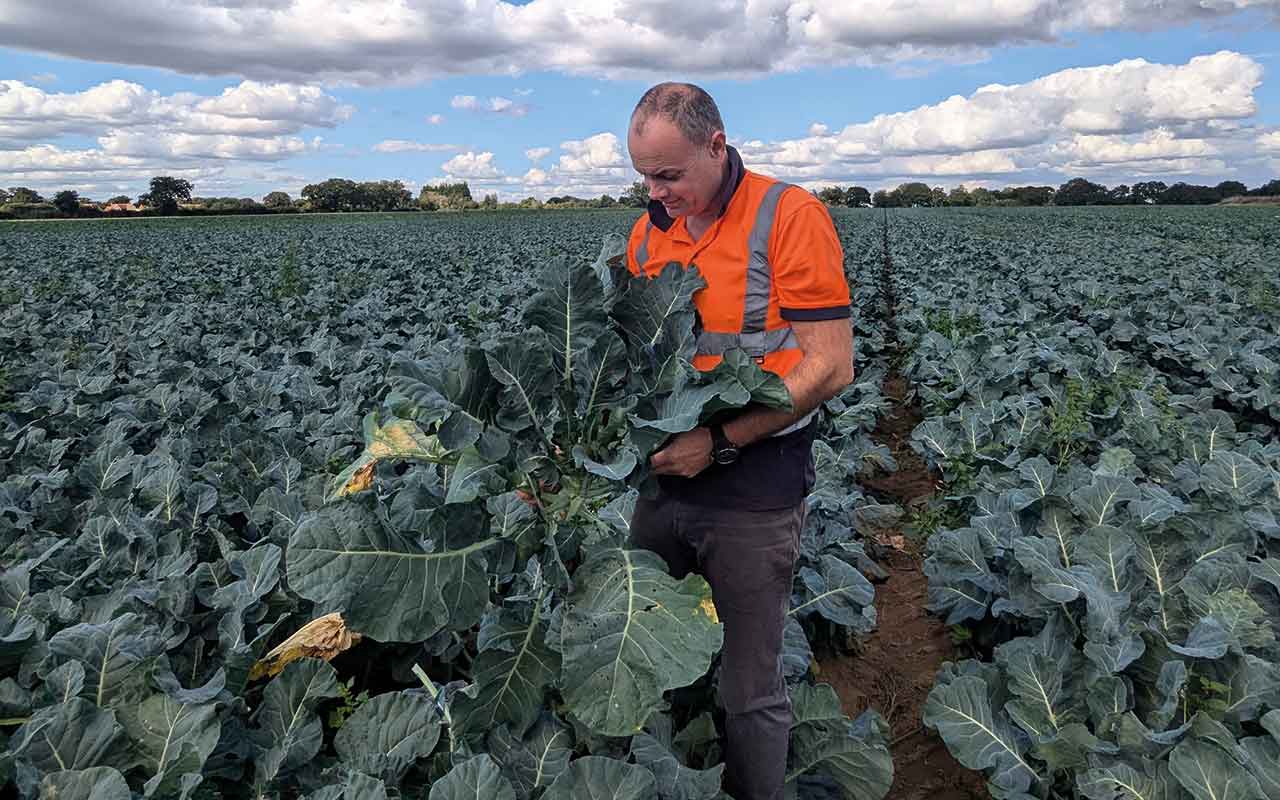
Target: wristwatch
[723,451]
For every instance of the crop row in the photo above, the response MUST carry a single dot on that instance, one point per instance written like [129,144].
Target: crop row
[1100,399]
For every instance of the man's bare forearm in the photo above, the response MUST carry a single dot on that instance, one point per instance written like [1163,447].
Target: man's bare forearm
[811,383]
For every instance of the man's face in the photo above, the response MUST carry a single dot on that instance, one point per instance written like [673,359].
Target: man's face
[684,177]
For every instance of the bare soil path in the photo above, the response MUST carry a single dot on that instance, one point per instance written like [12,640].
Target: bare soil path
[897,663]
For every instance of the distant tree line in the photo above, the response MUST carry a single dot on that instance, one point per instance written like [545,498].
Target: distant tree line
[1075,192]
[169,195]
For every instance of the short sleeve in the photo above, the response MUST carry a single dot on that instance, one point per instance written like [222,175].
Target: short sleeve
[807,261]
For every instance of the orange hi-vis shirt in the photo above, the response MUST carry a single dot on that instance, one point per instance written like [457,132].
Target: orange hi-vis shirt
[771,258]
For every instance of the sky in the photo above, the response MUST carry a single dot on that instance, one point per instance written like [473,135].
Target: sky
[243,97]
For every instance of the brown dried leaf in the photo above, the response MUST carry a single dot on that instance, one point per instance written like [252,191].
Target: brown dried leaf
[896,542]
[324,637]
[360,481]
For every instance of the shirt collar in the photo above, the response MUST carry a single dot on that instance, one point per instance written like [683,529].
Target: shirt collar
[729,182]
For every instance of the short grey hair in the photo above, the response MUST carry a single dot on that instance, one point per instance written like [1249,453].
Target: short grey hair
[686,106]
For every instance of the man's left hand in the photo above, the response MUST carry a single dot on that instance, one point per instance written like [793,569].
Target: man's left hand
[685,455]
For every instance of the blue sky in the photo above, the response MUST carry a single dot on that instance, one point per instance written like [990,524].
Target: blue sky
[249,96]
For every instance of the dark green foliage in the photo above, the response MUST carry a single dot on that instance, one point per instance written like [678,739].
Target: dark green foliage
[162,506]
[67,201]
[1109,434]
[1081,192]
[341,194]
[166,192]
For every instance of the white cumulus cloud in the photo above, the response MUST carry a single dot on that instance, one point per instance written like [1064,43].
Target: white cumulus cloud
[405,146]
[472,165]
[392,41]
[495,105]
[249,109]
[1132,115]
[140,132]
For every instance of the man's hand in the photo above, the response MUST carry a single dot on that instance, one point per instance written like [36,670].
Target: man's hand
[686,455]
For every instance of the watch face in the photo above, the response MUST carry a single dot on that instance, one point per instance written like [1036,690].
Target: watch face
[726,455]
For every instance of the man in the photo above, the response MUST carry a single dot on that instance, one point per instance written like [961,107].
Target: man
[732,496]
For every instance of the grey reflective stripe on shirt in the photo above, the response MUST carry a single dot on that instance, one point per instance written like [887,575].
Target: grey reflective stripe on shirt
[759,277]
[642,252]
[717,344]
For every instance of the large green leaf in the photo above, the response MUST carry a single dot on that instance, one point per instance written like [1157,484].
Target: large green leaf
[94,783]
[742,381]
[630,633]
[648,308]
[287,717]
[474,779]
[1234,475]
[73,735]
[172,740]
[525,369]
[511,673]
[961,713]
[599,378]
[353,786]
[472,477]
[837,592]
[1108,551]
[388,733]
[1262,755]
[114,654]
[1098,502]
[513,519]
[674,780]
[1209,773]
[536,760]
[569,308]
[388,586]
[18,634]
[258,570]
[1120,781]
[1043,701]
[656,317]
[599,778]
[854,755]
[1253,683]
[451,380]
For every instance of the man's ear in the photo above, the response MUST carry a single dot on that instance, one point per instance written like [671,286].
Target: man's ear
[718,144]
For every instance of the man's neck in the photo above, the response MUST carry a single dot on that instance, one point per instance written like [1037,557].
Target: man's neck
[697,226]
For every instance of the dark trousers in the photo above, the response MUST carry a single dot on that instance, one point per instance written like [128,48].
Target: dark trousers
[749,558]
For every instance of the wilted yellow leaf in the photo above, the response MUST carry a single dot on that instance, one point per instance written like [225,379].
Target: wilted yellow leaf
[402,438]
[709,608]
[398,439]
[360,481]
[324,637]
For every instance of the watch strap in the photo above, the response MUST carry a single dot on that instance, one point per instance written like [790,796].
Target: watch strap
[720,444]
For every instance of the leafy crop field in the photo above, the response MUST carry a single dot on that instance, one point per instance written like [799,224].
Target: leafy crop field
[337,506]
